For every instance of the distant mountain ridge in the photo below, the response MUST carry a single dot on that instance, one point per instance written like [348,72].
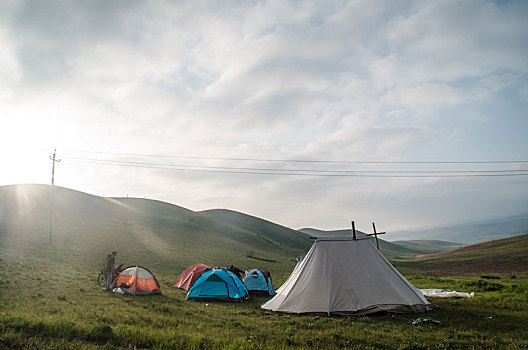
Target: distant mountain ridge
[469,232]
[391,250]
[455,233]
[428,246]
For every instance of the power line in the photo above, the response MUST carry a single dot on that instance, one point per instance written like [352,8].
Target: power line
[119,162]
[299,160]
[281,172]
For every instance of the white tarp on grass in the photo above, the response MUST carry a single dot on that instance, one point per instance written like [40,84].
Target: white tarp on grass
[441,293]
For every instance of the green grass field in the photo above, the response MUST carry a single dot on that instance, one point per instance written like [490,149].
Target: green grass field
[47,304]
[49,298]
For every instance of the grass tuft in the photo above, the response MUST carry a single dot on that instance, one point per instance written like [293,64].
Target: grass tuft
[491,277]
[482,286]
[261,259]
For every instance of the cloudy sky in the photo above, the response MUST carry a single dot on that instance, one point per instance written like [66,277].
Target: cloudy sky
[205,104]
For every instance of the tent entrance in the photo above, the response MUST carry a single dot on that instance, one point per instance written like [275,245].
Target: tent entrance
[216,287]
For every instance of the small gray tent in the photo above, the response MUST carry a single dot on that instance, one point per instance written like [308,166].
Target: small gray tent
[341,275]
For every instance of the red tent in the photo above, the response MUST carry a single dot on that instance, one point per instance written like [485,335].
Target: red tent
[190,275]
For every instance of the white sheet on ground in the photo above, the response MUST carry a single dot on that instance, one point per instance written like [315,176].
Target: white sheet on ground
[441,293]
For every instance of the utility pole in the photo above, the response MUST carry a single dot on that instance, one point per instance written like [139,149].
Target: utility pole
[55,160]
[53,167]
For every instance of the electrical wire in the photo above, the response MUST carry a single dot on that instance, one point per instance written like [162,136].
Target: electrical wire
[286,172]
[298,160]
[114,162]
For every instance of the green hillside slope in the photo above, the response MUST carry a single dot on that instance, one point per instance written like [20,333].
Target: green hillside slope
[502,256]
[276,234]
[155,234]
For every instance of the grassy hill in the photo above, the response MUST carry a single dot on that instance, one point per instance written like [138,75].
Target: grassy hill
[275,234]
[501,256]
[159,235]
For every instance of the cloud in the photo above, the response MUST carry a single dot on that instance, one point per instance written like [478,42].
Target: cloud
[461,39]
[351,80]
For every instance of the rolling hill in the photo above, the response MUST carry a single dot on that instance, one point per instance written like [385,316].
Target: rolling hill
[274,233]
[144,232]
[502,256]
[165,236]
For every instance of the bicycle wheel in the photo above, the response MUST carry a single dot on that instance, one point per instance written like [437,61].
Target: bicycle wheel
[100,279]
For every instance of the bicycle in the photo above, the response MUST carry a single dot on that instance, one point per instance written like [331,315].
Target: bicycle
[116,270]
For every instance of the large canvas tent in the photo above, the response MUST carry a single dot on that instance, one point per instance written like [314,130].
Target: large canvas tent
[218,284]
[258,282]
[343,275]
[190,275]
[136,280]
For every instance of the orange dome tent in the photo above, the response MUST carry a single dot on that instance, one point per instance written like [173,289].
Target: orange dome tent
[136,280]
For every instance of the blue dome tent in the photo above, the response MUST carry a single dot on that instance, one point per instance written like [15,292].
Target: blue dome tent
[258,282]
[218,284]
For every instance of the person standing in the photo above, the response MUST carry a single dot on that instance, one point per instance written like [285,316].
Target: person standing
[107,269]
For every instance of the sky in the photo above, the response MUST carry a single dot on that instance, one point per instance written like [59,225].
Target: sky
[272,108]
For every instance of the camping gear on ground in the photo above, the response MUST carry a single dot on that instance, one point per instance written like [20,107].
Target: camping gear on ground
[424,320]
[343,275]
[136,280]
[440,293]
[238,272]
[218,284]
[258,282]
[190,275]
